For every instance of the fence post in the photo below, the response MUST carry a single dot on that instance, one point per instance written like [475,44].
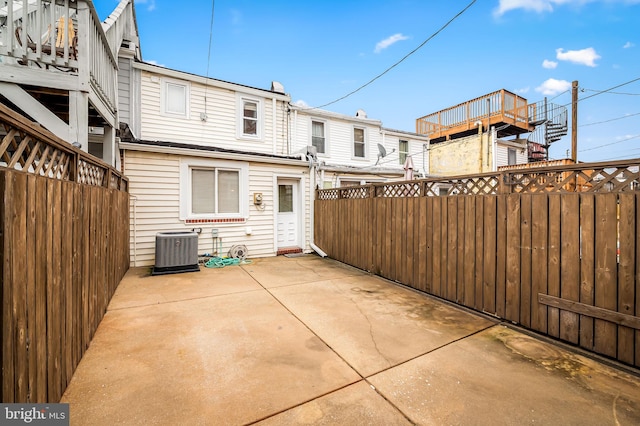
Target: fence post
[505,186]
[73,167]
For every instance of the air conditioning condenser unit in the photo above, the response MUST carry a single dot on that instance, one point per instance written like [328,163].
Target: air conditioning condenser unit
[176,252]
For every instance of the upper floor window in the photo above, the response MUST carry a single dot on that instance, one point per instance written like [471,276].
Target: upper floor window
[318,136]
[250,117]
[403,151]
[358,142]
[175,98]
[512,157]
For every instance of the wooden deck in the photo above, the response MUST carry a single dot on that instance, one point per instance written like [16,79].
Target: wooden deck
[502,109]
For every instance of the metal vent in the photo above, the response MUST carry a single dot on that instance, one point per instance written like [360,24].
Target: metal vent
[176,252]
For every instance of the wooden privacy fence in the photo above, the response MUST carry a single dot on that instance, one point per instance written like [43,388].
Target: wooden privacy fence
[562,263]
[64,246]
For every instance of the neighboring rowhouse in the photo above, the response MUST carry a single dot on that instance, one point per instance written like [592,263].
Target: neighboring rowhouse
[485,133]
[356,150]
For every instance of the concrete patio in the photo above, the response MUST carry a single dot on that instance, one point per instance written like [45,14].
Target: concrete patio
[305,340]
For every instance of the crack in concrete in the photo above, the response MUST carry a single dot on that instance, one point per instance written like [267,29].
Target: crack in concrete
[375,343]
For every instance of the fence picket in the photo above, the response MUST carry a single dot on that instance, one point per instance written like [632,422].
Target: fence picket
[605,333]
[587,266]
[539,261]
[626,272]
[570,261]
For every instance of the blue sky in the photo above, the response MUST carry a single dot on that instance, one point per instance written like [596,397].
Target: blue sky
[323,50]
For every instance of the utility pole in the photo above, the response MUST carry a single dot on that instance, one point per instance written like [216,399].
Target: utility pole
[574,121]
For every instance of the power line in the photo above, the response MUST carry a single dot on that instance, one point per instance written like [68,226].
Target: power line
[609,144]
[607,121]
[213,4]
[206,82]
[621,157]
[400,61]
[614,93]
[559,94]
[604,91]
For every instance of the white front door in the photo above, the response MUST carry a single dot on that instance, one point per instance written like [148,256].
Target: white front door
[288,206]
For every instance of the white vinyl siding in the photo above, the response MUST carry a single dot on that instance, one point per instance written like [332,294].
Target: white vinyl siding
[221,126]
[502,155]
[154,182]
[339,141]
[124,90]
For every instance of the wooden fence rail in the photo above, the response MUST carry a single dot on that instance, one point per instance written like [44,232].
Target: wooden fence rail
[64,247]
[566,265]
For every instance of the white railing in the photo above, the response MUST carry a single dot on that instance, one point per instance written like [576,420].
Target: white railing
[40,31]
[59,36]
[120,25]
[103,66]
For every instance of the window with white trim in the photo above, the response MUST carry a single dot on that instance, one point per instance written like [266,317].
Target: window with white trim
[213,189]
[358,142]
[511,156]
[175,98]
[403,150]
[318,138]
[249,117]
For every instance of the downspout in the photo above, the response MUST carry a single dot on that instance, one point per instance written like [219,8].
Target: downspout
[312,198]
[479,124]
[135,233]
[494,146]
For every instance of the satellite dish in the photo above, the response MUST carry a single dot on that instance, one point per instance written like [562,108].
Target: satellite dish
[382,152]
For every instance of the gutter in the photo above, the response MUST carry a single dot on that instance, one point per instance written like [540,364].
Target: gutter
[211,154]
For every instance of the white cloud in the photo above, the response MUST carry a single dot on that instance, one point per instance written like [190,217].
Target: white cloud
[523,90]
[549,64]
[381,45]
[151,4]
[529,5]
[586,56]
[300,103]
[627,45]
[552,87]
[152,62]
[540,6]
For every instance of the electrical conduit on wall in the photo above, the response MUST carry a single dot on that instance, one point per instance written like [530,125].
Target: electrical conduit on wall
[312,185]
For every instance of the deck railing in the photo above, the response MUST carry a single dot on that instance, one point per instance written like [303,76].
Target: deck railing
[103,65]
[40,31]
[500,106]
[59,36]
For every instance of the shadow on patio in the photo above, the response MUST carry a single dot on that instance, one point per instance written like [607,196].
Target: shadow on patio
[306,340]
